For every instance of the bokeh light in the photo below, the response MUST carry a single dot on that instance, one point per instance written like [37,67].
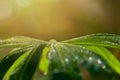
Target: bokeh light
[24,3]
[5,10]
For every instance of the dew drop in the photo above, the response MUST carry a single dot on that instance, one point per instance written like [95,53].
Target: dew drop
[99,61]
[103,67]
[45,73]
[66,59]
[90,58]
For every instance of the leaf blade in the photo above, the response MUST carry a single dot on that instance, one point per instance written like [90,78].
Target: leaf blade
[94,64]
[108,56]
[7,61]
[27,69]
[100,39]
[44,61]
[61,66]
[19,41]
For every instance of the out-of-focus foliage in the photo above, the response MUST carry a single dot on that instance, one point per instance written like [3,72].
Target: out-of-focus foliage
[83,58]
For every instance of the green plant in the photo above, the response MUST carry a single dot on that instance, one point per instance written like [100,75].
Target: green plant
[65,60]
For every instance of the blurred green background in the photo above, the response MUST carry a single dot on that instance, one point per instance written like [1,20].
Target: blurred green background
[58,19]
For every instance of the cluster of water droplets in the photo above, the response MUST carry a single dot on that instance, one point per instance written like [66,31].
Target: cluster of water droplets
[67,54]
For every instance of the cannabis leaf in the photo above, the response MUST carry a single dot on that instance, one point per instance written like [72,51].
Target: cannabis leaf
[65,60]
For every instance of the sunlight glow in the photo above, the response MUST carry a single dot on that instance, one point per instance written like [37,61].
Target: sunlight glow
[24,3]
[45,1]
[5,10]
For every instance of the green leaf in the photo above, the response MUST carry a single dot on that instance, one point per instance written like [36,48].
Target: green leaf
[44,62]
[25,70]
[19,41]
[63,63]
[108,56]
[16,64]
[8,60]
[101,39]
[61,60]
[71,57]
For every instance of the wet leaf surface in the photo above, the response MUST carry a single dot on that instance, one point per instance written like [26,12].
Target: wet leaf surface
[84,58]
